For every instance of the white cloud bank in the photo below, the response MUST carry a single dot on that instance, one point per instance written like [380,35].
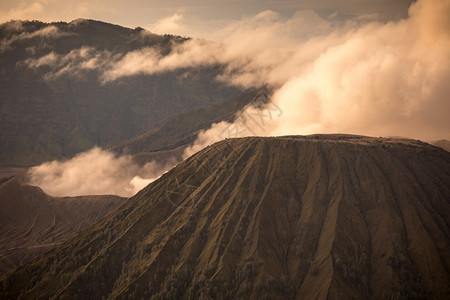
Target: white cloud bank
[168,25]
[94,172]
[365,78]
[74,63]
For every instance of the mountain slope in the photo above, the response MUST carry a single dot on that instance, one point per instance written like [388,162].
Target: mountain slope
[32,222]
[182,129]
[315,217]
[55,101]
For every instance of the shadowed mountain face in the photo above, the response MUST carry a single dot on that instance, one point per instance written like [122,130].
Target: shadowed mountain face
[32,222]
[56,102]
[315,217]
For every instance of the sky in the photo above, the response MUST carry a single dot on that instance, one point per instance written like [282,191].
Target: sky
[196,18]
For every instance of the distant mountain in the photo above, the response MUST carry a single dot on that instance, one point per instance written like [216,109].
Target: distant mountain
[307,217]
[54,101]
[444,144]
[32,222]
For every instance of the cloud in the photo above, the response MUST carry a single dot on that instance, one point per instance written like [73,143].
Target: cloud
[24,11]
[372,78]
[150,60]
[168,25]
[94,172]
[50,59]
[251,121]
[255,50]
[248,52]
[13,26]
[251,51]
[73,63]
[46,32]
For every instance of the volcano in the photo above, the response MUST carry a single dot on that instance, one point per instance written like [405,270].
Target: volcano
[295,217]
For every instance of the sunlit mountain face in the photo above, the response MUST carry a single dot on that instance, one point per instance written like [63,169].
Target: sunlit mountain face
[269,149]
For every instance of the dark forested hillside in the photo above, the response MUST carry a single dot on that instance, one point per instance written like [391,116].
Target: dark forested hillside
[314,217]
[55,100]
